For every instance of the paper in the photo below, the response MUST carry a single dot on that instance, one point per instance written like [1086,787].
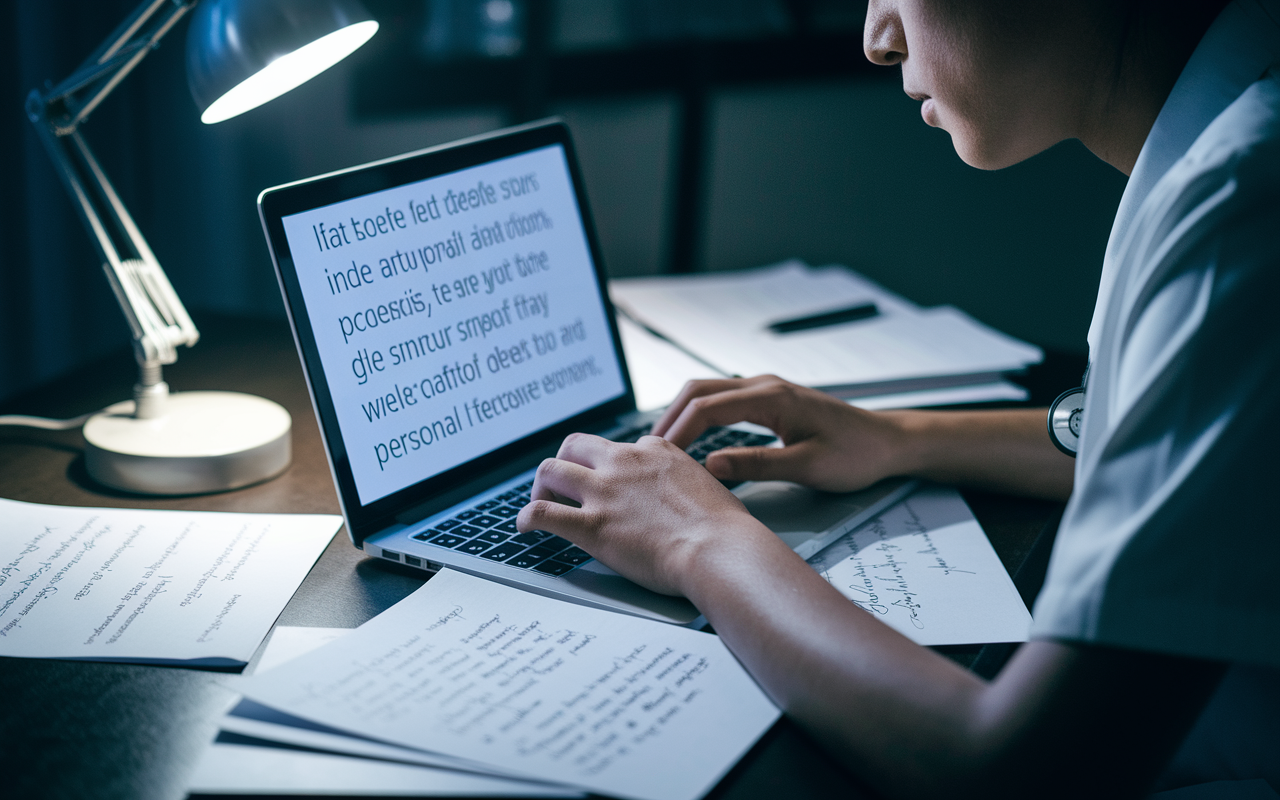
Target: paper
[658,369]
[248,720]
[232,768]
[950,396]
[722,318]
[105,584]
[287,642]
[925,568]
[471,669]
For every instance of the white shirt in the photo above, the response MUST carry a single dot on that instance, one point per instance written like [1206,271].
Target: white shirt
[1171,540]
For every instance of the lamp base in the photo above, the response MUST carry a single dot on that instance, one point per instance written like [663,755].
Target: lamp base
[203,442]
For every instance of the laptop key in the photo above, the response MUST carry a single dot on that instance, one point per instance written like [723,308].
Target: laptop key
[556,542]
[488,504]
[505,496]
[524,487]
[484,521]
[530,538]
[542,551]
[504,551]
[427,534]
[447,540]
[493,536]
[468,514]
[467,530]
[475,547]
[552,567]
[574,556]
[448,524]
[506,512]
[507,527]
[526,559]
[521,501]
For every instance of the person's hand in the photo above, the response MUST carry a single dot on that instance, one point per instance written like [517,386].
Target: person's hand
[646,509]
[829,444]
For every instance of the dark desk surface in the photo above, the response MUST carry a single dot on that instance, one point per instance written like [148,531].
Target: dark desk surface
[85,730]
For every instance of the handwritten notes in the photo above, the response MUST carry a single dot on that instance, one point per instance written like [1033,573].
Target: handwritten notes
[494,675]
[926,568]
[150,586]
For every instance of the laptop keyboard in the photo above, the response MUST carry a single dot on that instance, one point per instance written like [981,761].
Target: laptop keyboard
[488,529]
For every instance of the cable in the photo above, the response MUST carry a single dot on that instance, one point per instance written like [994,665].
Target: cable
[45,424]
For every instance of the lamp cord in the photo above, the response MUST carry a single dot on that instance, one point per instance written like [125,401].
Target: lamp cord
[45,424]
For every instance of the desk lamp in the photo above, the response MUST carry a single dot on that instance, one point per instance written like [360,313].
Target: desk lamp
[240,54]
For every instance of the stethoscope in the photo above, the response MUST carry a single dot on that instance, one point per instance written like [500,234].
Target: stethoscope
[1065,416]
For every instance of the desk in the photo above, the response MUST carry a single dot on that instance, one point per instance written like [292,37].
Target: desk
[85,730]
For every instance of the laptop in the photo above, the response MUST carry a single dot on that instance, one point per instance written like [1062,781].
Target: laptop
[450,312]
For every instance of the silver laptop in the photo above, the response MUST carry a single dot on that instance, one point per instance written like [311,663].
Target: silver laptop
[450,311]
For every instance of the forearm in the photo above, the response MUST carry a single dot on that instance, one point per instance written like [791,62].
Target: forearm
[1060,720]
[895,713]
[1007,451]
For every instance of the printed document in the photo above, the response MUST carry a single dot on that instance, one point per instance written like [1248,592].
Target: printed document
[722,317]
[106,584]
[550,690]
[926,568]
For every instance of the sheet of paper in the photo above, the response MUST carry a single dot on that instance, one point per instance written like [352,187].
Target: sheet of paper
[722,318]
[227,768]
[105,584]
[264,724]
[926,568]
[287,642]
[949,396]
[658,369]
[555,691]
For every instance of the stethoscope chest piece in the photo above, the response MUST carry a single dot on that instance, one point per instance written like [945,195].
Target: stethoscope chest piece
[1064,420]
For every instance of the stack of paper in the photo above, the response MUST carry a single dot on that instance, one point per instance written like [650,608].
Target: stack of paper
[486,689]
[717,323]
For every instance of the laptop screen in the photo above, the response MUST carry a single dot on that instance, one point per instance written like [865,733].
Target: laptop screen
[452,315]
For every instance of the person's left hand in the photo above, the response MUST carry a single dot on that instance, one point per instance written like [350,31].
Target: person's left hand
[647,509]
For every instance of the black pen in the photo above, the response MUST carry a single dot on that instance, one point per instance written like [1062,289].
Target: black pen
[825,319]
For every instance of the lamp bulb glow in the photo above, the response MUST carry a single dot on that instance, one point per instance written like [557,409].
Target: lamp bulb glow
[289,71]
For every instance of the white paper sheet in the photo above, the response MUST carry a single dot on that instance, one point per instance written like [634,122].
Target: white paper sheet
[468,668]
[722,317]
[248,718]
[926,568]
[950,396]
[287,642]
[255,770]
[105,584]
[658,369]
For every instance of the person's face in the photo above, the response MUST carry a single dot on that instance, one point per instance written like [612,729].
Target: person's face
[1003,77]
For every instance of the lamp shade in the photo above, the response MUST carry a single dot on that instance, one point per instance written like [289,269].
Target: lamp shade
[242,53]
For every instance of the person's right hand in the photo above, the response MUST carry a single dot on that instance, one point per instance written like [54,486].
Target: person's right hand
[828,444]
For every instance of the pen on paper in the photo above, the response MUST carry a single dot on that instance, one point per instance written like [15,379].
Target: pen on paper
[825,319]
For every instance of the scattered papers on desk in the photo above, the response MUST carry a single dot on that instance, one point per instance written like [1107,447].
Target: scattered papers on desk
[107,584]
[228,768]
[550,690]
[256,751]
[926,568]
[722,317]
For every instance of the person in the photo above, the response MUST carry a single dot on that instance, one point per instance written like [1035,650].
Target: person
[1160,603]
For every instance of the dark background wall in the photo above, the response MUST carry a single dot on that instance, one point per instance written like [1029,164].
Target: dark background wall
[835,168]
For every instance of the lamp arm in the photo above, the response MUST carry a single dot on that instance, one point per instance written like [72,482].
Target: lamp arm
[156,317]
